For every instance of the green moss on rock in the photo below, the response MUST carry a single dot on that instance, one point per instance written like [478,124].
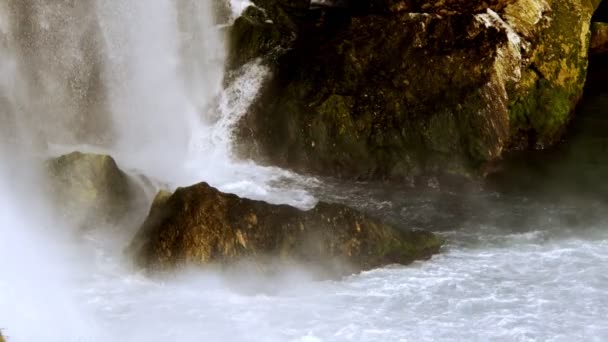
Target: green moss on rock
[406,94]
[90,189]
[384,97]
[253,36]
[542,103]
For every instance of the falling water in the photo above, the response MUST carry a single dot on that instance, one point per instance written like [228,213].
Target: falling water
[141,81]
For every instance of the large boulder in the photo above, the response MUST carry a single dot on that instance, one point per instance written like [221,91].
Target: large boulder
[90,189]
[405,94]
[200,225]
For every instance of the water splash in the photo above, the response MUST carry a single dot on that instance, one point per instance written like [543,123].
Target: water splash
[141,81]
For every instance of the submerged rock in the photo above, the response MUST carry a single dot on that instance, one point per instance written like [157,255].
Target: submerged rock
[90,189]
[446,89]
[201,225]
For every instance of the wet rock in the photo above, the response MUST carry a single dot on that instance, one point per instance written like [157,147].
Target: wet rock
[555,44]
[405,94]
[575,169]
[288,15]
[252,36]
[599,38]
[200,225]
[90,189]
[445,7]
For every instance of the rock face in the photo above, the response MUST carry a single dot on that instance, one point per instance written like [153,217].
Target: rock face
[394,89]
[252,36]
[90,189]
[200,225]
[575,169]
[599,38]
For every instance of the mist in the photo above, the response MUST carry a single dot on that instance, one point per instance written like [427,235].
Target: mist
[143,83]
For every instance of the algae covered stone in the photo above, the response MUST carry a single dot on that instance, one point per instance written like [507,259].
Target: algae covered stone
[199,225]
[253,36]
[426,88]
[90,189]
[555,43]
[387,97]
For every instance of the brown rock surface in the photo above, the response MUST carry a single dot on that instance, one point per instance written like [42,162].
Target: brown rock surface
[200,225]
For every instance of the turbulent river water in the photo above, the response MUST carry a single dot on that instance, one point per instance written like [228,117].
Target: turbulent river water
[144,83]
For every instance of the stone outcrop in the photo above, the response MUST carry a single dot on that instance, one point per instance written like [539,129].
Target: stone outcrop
[90,189]
[394,89]
[599,38]
[199,225]
[575,169]
[253,36]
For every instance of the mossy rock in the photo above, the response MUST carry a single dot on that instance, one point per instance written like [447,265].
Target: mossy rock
[199,225]
[444,7]
[90,189]
[402,95]
[253,36]
[385,98]
[554,70]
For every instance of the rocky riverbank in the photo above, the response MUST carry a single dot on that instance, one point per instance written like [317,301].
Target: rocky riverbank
[199,225]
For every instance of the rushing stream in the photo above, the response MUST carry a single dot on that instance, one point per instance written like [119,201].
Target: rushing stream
[142,80]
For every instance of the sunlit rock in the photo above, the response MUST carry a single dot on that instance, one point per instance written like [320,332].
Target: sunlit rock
[200,225]
[440,87]
[90,189]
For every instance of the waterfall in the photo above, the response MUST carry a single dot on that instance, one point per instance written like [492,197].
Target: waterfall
[140,80]
[129,76]
[164,69]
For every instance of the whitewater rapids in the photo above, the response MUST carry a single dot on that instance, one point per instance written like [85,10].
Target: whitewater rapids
[488,284]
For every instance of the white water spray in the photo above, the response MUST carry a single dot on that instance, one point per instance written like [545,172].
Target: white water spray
[141,81]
